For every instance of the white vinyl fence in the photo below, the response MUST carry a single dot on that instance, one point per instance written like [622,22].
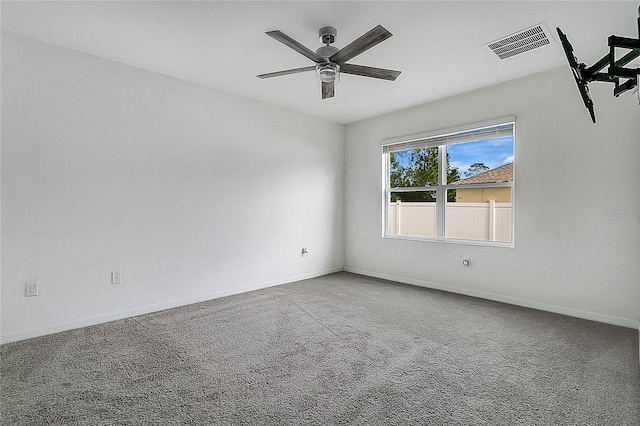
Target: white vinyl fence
[489,221]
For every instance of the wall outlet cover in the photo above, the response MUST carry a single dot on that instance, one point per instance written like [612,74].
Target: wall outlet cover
[31,288]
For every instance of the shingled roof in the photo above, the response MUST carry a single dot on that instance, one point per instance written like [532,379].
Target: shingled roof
[499,174]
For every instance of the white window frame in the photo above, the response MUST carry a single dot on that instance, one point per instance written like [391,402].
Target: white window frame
[440,139]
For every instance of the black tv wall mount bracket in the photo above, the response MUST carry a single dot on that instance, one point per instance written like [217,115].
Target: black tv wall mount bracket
[624,78]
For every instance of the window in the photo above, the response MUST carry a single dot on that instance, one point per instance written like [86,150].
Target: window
[453,185]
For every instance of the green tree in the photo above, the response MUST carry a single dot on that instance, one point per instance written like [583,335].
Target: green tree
[397,173]
[421,169]
[476,168]
[452,176]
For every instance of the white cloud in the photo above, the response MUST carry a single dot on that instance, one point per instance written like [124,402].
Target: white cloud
[459,165]
[508,160]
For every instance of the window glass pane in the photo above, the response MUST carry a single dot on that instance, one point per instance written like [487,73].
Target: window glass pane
[479,162]
[471,200]
[412,213]
[471,218]
[413,168]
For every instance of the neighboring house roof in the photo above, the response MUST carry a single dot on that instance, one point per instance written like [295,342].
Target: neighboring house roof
[499,174]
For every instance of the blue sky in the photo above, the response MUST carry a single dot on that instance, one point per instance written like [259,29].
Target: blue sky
[492,152]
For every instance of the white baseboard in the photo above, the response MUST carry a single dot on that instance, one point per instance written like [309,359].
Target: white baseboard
[128,313]
[593,316]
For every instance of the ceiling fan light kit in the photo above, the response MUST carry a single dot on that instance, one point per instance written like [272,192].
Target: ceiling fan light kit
[330,61]
[328,73]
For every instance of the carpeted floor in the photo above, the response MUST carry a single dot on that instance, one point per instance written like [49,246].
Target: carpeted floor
[340,349]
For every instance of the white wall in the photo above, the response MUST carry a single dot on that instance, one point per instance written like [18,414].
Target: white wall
[189,193]
[193,194]
[571,258]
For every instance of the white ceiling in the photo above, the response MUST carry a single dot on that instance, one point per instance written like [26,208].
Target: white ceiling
[438,46]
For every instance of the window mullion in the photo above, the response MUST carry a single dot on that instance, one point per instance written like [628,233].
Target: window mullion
[442,194]
[387,193]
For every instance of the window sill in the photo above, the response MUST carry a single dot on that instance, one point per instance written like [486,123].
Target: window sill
[448,241]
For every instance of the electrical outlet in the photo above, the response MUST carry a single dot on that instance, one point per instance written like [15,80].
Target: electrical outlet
[31,288]
[115,278]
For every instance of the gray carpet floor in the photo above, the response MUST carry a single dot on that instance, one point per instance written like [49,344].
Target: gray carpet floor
[339,349]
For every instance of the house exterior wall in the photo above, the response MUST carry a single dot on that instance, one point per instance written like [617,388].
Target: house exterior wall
[483,195]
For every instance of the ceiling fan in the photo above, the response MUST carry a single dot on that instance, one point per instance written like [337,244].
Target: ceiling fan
[330,61]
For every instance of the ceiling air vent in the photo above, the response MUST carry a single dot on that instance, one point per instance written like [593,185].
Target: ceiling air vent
[522,41]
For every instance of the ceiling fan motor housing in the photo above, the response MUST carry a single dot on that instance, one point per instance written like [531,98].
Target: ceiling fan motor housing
[326,51]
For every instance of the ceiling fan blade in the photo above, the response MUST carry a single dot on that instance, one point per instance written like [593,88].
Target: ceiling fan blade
[286,72]
[328,90]
[362,43]
[372,72]
[288,41]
